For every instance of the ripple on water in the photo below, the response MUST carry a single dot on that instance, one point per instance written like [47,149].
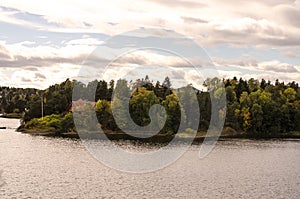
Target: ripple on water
[42,167]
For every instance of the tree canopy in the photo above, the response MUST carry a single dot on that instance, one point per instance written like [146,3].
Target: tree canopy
[258,108]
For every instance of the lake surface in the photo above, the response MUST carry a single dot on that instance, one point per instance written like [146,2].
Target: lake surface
[41,167]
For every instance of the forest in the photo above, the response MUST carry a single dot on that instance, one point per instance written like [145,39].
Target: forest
[256,108]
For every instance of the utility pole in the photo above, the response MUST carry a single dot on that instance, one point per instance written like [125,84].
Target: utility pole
[42,105]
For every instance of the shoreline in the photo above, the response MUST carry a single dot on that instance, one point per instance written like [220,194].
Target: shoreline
[11,115]
[116,136]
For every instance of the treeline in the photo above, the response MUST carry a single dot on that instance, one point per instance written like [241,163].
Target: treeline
[261,108]
[57,104]
[258,108]
[14,100]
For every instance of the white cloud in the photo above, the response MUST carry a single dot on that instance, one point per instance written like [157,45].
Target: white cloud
[277,66]
[272,76]
[245,62]
[39,78]
[260,24]
[25,54]
[27,65]
[253,64]
[85,41]
[251,68]
[290,54]
[148,57]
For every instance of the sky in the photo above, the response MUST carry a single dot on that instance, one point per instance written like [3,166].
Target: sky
[43,43]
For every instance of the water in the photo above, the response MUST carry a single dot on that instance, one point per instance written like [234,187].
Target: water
[40,167]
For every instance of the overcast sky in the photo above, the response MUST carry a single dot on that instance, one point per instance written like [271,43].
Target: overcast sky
[45,42]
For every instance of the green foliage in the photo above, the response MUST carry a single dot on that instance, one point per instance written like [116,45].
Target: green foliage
[140,104]
[12,99]
[264,109]
[104,115]
[257,118]
[258,108]
[297,116]
[172,107]
[290,94]
[67,123]
[57,123]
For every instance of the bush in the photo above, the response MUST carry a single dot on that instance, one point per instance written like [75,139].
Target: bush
[67,123]
[57,122]
[189,131]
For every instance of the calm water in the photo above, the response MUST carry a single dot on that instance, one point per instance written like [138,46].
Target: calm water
[40,167]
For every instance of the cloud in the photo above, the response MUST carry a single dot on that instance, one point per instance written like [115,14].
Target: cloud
[278,2]
[249,31]
[112,24]
[180,3]
[23,18]
[226,74]
[151,58]
[31,68]
[291,55]
[253,64]
[136,58]
[277,66]
[267,75]
[272,76]
[20,61]
[260,25]
[193,20]
[23,54]
[290,13]
[40,76]
[265,23]
[4,53]
[87,24]
[236,62]
[85,41]
[26,80]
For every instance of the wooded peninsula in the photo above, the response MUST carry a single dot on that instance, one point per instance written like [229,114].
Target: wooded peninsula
[255,108]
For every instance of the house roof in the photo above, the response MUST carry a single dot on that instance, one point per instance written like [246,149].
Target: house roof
[75,105]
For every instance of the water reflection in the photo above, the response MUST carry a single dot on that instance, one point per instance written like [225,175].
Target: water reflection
[42,167]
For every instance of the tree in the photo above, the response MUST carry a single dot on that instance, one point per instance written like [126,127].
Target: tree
[205,110]
[104,115]
[120,104]
[232,117]
[242,86]
[230,95]
[102,91]
[140,103]
[256,118]
[167,83]
[297,116]
[33,108]
[253,85]
[290,94]
[259,108]
[172,107]
[246,118]
[263,84]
